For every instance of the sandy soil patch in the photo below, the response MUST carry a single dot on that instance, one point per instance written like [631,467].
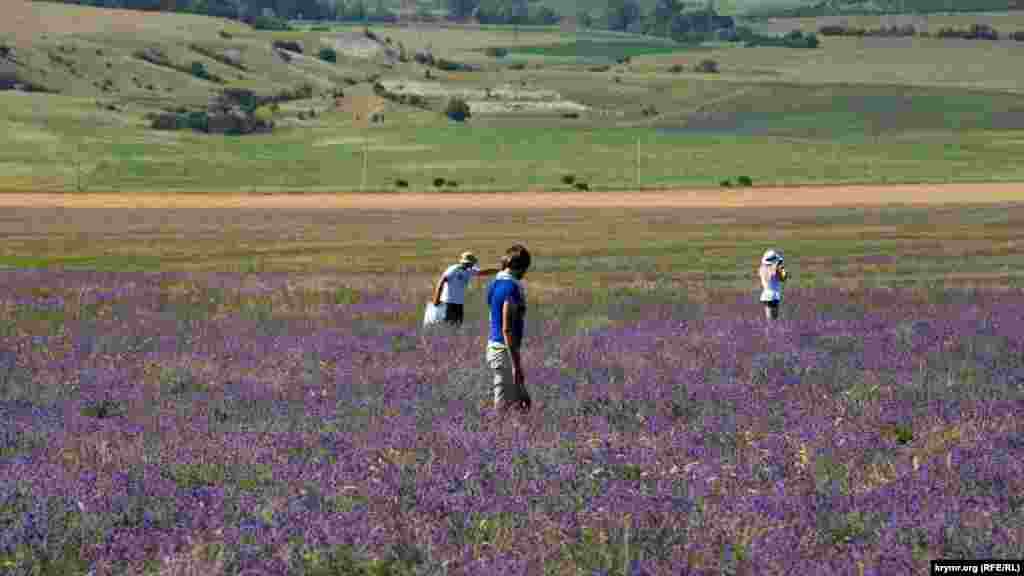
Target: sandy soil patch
[810,196]
[501,99]
[357,45]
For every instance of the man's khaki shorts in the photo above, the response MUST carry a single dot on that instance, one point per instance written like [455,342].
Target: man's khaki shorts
[499,360]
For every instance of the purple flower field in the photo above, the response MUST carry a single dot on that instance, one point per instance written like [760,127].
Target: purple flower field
[167,424]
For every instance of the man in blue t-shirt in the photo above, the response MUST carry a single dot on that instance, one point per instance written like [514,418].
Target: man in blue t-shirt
[506,300]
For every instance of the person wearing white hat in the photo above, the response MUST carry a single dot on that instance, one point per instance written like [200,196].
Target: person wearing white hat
[451,287]
[772,273]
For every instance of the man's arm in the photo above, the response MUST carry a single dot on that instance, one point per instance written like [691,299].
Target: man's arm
[438,288]
[488,271]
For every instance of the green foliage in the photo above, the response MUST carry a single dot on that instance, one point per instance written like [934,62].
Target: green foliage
[179,380]
[328,54]
[457,109]
[620,14]
[198,69]
[794,39]
[103,409]
[199,121]
[264,113]
[745,181]
[269,23]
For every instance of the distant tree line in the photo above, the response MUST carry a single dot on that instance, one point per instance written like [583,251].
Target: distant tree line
[974,32]
[859,7]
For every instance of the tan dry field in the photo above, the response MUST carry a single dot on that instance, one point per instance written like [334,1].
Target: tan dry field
[26,20]
[817,196]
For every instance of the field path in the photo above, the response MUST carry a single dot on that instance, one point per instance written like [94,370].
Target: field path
[809,196]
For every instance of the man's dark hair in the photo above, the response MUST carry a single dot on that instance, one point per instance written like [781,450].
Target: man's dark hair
[516,258]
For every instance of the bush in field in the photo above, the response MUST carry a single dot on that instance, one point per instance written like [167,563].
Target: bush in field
[975,32]
[451,184]
[496,51]
[328,54]
[400,183]
[264,114]
[707,67]
[744,181]
[451,66]
[568,179]
[198,69]
[424,58]
[457,109]
[439,182]
[199,121]
[725,183]
[582,186]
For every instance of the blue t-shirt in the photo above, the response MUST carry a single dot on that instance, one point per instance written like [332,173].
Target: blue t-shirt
[498,293]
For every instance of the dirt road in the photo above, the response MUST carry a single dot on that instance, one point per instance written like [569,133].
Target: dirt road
[710,198]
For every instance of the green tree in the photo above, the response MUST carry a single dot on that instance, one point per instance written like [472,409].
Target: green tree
[462,9]
[622,13]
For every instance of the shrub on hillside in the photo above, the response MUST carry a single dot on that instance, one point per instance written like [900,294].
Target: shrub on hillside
[199,121]
[707,67]
[264,114]
[328,54]
[452,66]
[457,109]
[289,45]
[582,186]
[438,182]
[725,183]
[975,32]
[400,183]
[676,68]
[198,69]
[424,58]
[744,181]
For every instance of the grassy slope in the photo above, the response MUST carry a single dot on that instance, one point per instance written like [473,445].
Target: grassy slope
[856,110]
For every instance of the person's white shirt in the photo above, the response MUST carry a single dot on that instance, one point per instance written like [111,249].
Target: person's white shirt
[457,279]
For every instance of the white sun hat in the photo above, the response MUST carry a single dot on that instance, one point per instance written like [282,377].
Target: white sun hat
[467,258]
[771,257]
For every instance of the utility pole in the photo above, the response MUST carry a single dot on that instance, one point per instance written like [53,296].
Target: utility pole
[362,186]
[637,175]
